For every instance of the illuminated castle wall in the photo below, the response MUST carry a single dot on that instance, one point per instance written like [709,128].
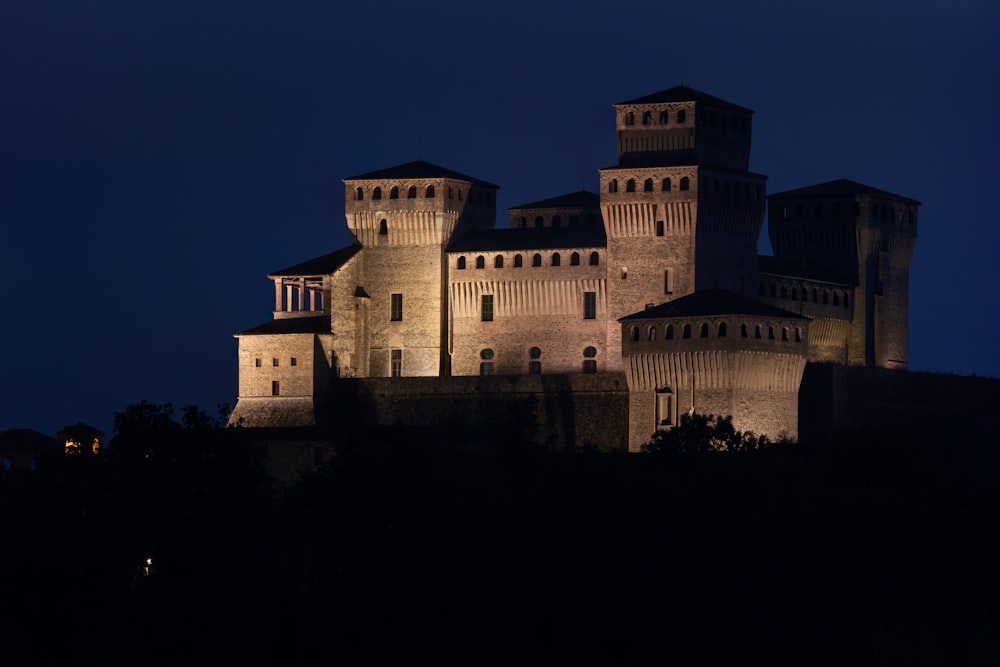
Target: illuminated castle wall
[654,282]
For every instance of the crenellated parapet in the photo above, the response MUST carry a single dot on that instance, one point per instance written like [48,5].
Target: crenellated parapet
[714,352]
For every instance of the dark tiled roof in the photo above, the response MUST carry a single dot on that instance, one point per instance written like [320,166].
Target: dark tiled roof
[685,94]
[838,188]
[801,268]
[581,199]
[291,325]
[531,238]
[418,169]
[25,440]
[712,302]
[320,266]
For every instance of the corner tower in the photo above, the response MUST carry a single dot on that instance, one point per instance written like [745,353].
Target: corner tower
[404,217]
[871,234]
[681,209]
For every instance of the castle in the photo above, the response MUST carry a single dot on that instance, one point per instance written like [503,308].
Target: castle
[649,297]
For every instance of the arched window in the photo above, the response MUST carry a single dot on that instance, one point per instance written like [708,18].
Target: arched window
[665,186]
[784,334]
[595,258]
[743,331]
[486,365]
[815,295]
[722,329]
[451,193]
[359,194]
[756,332]
[613,185]
[539,221]
[394,193]
[524,221]
[645,117]
[480,262]
[498,262]
[798,335]
[826,297]
[836,299]
[412,192]
[634,334]
[770,333]
[664,117]
[574,259]
[377,193]
[630,118]
[681,116]
[685,183]
[704,331]
[555,259]
[534,363]
[651,334]
[556,221]
[647,185]
[795,294]
[460,194]
[668,334]
[589,362]
[429,192]
[518,261]
[686,331]
[773,291]
[630,185]
[461,262]
[784,292]
[383,226]
[536,260]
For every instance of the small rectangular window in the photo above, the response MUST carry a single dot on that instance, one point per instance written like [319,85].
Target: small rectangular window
[396,363]
[274,387]
[487,313]
[274,362]
[396,308]
[668,282]
[294,361]
[659,228]
[257,363]
[590,305]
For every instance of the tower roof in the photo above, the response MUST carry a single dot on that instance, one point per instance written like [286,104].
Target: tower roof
[712,302]
[418,169]
[579,199]
[685,94]
[838,188]
[320,266]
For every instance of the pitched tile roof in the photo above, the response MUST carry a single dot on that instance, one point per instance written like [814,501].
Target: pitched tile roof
[579,199]
[418,169]
[712,302]
[531,238]
[685,94]
[292,325]
[320,266]
[837,188]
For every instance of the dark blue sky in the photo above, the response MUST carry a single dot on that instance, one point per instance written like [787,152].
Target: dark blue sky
[158,159]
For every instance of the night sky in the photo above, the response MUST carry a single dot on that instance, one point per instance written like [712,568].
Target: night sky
[158,159]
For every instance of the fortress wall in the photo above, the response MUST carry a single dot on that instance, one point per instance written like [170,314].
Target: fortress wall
[836,398]
[557,411]
[294,380]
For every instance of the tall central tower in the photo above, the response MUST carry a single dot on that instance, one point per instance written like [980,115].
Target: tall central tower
[681,209]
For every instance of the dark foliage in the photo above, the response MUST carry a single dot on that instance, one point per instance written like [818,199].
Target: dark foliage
[413,547]
[699,434]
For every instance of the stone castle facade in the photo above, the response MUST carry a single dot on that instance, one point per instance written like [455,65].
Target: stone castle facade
[653,285]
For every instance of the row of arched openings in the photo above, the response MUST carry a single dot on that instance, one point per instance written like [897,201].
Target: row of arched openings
[487,360]
[412,192]
[825,296]
[663,116]
[721,330]
[647,186]
[555,259]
